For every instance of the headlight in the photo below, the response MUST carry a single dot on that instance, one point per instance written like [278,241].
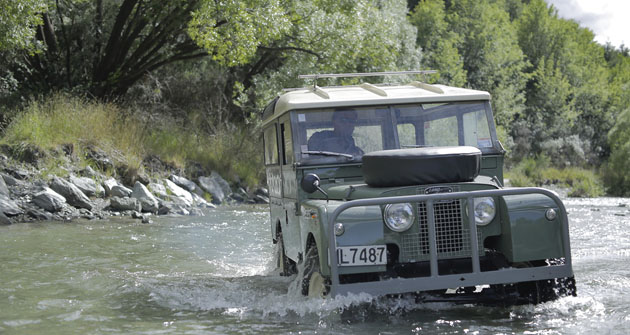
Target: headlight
[398,217]
[484,210]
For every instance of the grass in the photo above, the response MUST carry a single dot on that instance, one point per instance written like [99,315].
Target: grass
[537,172]
[61,120]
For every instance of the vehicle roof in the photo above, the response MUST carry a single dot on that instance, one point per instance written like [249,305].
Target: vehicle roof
[369,94]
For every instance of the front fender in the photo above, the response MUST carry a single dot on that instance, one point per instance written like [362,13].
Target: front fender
[527,234]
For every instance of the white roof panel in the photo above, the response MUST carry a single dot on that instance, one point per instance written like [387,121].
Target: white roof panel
[343,96]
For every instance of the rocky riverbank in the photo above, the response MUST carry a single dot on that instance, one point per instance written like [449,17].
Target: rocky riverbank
[28,193]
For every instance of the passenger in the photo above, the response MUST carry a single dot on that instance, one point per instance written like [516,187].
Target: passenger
[340,138]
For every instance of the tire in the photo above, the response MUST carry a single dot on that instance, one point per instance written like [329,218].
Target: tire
[314,284]
[540,291]
[285,265]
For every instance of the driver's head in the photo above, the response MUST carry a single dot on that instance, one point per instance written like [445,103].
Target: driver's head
[344,121]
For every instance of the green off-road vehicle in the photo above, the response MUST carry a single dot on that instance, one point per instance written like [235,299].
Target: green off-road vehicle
[394,189]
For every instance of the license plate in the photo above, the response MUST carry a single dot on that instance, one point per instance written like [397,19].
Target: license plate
[362,255]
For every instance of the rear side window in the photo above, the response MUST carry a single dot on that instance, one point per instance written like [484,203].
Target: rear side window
[271,145]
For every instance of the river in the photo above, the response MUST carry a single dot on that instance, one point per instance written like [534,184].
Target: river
[215,275]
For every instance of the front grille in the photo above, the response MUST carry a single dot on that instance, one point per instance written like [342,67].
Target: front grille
[451,230]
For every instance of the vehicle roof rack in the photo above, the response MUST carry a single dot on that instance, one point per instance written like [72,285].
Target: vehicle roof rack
[363,74]
[367,86]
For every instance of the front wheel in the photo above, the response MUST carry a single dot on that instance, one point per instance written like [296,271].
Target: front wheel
[285,265]
[314,284]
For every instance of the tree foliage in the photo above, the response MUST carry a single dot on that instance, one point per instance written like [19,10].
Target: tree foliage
[556,92]
[18,20]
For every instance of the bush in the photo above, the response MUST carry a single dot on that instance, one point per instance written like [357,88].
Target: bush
[536,172]
[62,121]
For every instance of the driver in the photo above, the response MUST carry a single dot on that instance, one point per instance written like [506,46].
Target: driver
[340,138]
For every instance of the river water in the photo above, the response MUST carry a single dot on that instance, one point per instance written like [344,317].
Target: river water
[215,275]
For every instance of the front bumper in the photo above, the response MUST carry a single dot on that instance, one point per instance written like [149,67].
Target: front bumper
[435,278]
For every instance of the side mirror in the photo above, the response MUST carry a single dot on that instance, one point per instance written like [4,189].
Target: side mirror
[310,183]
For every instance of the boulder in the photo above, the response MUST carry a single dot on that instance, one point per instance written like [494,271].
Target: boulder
[4,190]
[4,220]
[182,194]
[89,172]
[108,185]
[74,196]
[121,191]
[238,197]
[186,184]
[8,206]
[148,202]
[212,186]
[124,204]
[49,200]
[10,181]
[262,191]
[225,186]
[158,190]
[39,214]
[196,212]
[87,185]
[170,208]
[201,202]
[261,199]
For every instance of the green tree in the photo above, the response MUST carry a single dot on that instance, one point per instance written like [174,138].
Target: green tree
[438,42]
[334,36]
[18,22]
[567,111]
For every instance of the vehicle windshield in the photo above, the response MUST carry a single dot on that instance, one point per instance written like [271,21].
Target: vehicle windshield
[346,134]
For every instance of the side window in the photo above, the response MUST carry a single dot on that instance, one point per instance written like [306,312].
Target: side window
[287,143]
[476,131]
[441,132]
[271,145]
[407,135]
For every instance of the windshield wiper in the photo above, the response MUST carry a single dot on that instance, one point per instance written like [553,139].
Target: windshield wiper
[328,153]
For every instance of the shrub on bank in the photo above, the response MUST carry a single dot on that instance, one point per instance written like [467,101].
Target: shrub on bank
[61,124]
[536,172]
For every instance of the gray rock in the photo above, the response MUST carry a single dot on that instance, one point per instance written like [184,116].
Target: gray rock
[185,196]
[170,208]
[74,196]
[19,173]
[146,218]
[158,190]
[201,202]
[4,220]
[262,191]
[108,185]
[124,204]
[121,191]
[87,185]
[237,197]
[8,206]
[9,180]
[186,184]
[49,200]
[261,199]
[196,212]
[225,186]
[4,190]
[211,186]
[148,202]
[89,172]
[39,214]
